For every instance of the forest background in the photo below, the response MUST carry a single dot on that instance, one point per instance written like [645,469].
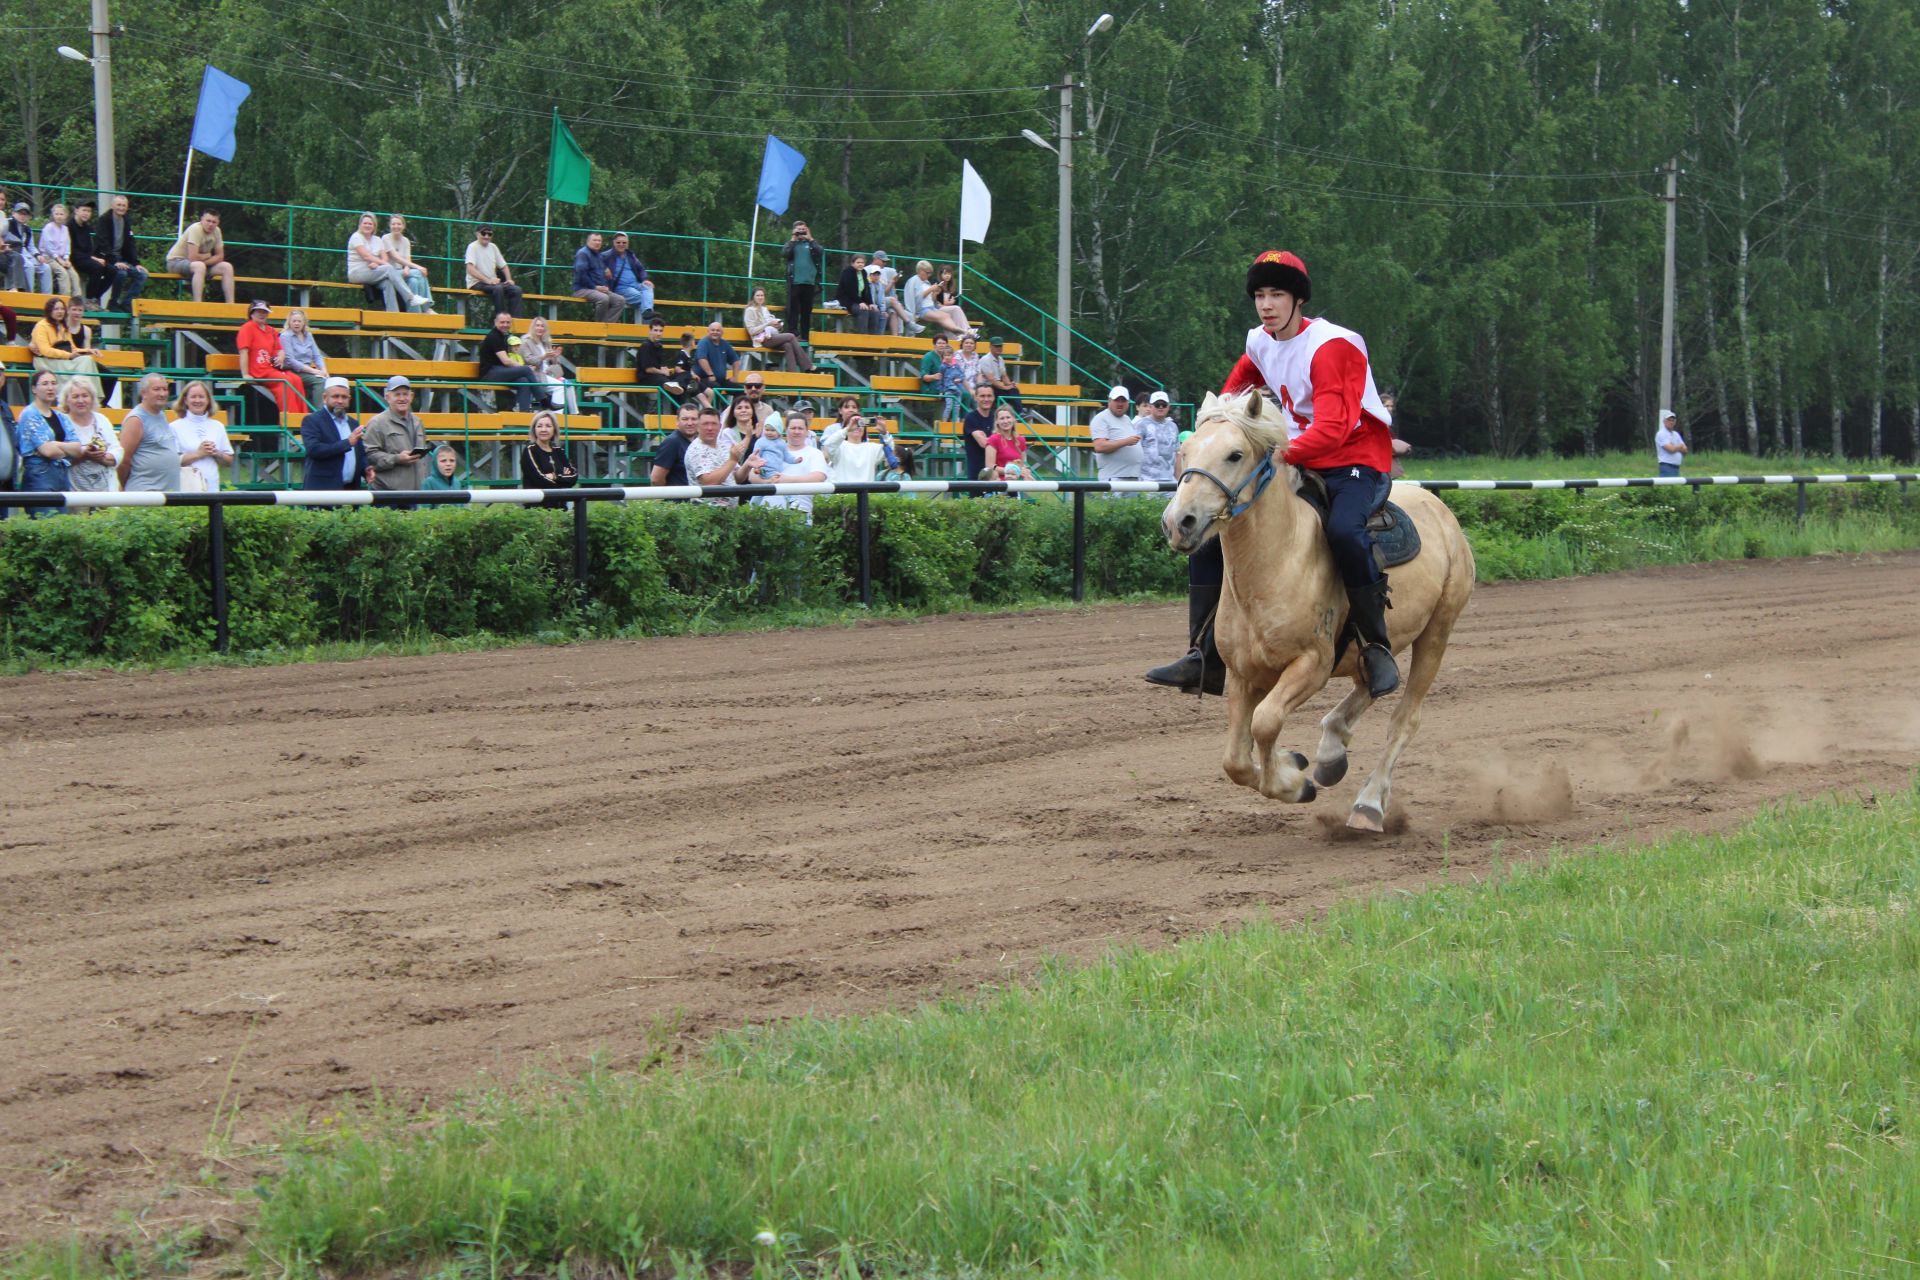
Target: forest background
[1474,183]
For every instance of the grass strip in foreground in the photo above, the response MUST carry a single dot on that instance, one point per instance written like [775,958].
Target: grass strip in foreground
[1693,1059]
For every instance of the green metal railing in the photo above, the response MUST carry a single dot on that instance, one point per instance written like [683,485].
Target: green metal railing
[706,269]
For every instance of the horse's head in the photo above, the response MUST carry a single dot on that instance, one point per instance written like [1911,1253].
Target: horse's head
[1224,465]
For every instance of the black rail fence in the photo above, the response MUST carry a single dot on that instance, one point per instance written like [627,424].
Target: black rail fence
[580,500]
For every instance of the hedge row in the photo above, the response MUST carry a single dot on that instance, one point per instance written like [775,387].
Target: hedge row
[134,584]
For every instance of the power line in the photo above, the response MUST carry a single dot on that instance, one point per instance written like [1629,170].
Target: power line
[336,79]
[573,66]
[1322,153]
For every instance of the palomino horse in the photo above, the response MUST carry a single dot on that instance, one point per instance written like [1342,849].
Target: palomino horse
[1283,605]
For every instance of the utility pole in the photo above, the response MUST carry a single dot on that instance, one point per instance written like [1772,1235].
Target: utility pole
[1063,306]
[102,64]
[1666,300]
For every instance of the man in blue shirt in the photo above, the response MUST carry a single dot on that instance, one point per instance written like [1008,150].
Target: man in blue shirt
[590,280]
[331,438]
[627,276]
[714,360]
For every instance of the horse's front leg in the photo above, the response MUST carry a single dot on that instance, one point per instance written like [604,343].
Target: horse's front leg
[1238,762]
[1336,730]
[1282,772]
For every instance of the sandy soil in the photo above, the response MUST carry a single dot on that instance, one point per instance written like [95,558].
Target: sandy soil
[296,884]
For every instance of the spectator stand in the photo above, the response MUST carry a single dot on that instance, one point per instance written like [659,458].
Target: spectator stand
[705,277]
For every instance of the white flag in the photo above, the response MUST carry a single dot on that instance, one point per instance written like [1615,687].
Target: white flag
[976,205]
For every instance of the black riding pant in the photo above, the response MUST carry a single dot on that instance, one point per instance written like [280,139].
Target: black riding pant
[1351,495]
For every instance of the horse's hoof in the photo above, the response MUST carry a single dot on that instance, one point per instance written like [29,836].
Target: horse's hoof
[1299,761]
[1307,793]
[1366,818]
[1329,772]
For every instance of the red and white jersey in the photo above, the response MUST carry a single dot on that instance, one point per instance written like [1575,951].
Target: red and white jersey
[1322,378]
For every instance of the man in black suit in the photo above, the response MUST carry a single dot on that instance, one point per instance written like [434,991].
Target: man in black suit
[335,457]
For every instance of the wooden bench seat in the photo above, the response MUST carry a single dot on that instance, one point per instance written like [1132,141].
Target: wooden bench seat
[354,367]
[118,362]
[622,380]
[439,423]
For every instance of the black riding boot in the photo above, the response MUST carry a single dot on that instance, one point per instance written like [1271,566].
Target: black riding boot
[1201,671]
[1368,614]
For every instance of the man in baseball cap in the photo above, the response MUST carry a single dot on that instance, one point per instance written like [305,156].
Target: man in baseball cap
[1158,437]
[1116,441]
[1338,430]
[396,440]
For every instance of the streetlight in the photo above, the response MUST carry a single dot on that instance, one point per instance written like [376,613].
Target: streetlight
[102,64]
[1063,306]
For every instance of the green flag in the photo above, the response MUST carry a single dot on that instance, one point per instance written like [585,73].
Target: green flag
[568,169]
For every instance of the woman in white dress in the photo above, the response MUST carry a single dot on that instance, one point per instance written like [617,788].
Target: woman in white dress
[204,446]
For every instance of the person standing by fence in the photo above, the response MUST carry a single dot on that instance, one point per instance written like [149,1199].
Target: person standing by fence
[1669,446]
[396,440]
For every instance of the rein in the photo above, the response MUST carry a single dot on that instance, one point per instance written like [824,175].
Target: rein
[1260,477]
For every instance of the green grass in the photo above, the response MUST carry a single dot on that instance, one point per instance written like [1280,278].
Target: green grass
[1704,463]
[1692,1059]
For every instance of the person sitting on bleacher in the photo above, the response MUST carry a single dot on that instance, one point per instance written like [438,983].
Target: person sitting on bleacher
[763,329]
[56,246]
[263,361]
[686,380]
[627,276]
[200,252]
[540,353]
[500,361]
[590,281]
[369,263]
[114,241]
[53,348]
[96,273]
[714,361]
[992,368]
[487,272]
[851,295]
[399,252]
[543,462]
[29,269]
[652,365]
[303,356]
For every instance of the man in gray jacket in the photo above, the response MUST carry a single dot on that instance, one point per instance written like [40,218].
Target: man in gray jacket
[396,440]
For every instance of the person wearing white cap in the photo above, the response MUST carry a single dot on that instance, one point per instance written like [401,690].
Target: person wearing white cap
[1159,437]
[1117,454]
[1669,446]
[331,439]
[396,440]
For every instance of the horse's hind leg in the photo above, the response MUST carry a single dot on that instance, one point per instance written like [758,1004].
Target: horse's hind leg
[1336,730]
[1370,806]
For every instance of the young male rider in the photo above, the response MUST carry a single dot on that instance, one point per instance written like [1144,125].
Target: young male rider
[1339,430]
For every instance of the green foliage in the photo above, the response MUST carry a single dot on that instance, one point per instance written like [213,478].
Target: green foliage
[1472,183]
[1689,1059]
[133,585]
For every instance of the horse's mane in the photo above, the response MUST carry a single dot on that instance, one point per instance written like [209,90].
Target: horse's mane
[1258,419]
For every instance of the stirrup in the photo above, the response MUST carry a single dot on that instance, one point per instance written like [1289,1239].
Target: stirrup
[1383,674]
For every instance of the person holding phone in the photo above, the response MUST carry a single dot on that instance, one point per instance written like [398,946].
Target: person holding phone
[396,440]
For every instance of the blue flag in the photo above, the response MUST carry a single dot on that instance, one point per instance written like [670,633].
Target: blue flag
[777,172]
[219,110]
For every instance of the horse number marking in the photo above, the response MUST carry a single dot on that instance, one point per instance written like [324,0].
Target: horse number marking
[1324,628]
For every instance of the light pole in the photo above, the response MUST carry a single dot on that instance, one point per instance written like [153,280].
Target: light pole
[102,62]
[1063,303]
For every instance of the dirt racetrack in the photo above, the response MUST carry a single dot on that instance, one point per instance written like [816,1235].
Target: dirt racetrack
[404,873]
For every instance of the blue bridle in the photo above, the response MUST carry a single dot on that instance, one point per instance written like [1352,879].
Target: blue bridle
[1260,477]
